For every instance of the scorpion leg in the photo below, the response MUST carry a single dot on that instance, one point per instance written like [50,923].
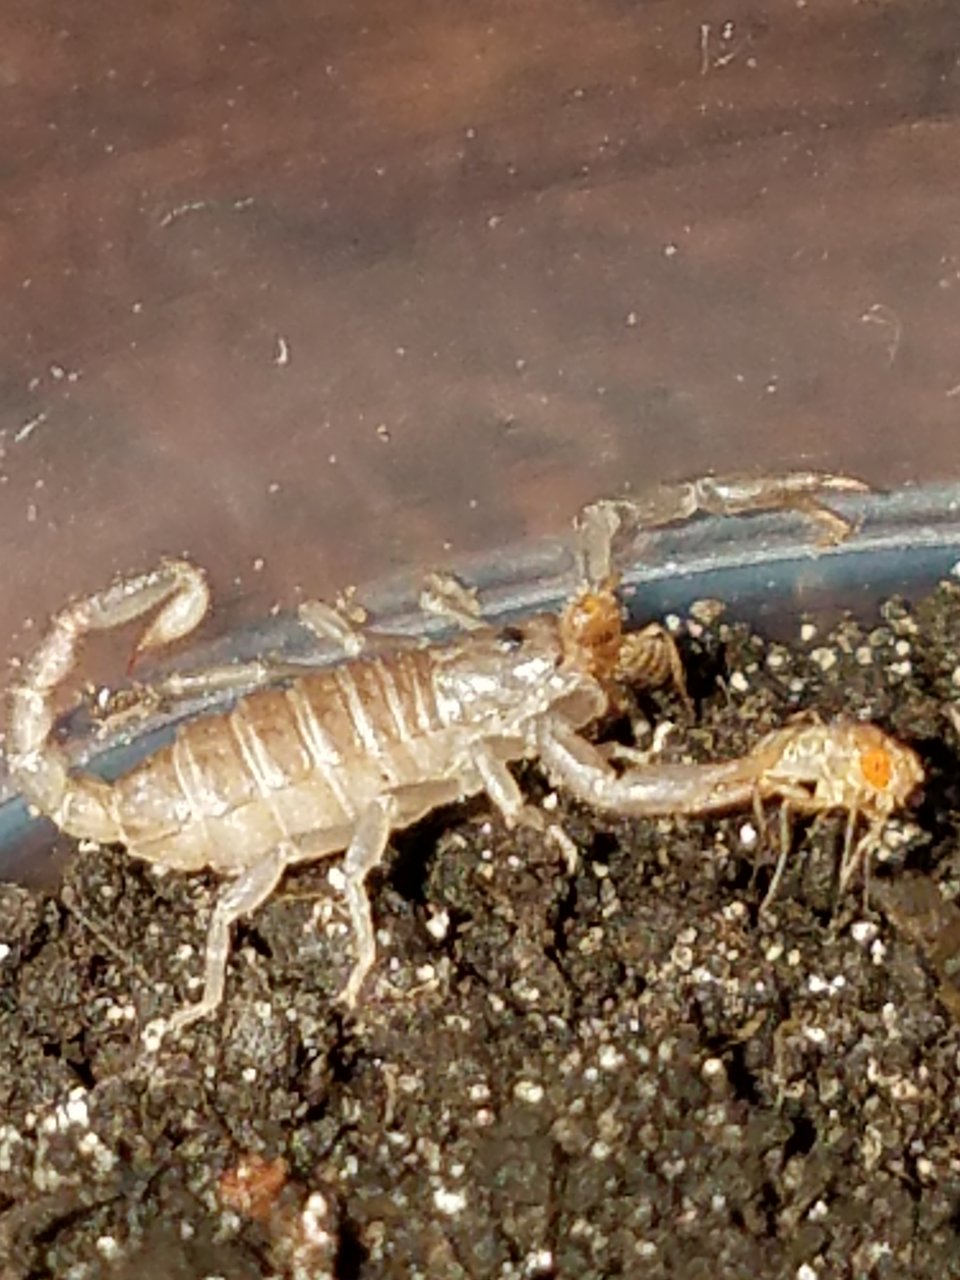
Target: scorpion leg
[501,786]
[115,710]
[365,852]
[600,522]
[340,622]
[444,596]
[236,677]
[254,887]
[240,898]
[332,622]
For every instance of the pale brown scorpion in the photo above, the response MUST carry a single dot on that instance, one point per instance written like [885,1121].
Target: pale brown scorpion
[336,759]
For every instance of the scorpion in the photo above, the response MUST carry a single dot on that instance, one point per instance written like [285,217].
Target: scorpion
[332,761]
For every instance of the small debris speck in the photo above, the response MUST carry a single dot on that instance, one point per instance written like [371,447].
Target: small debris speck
[825,659]
[108,1248]
[450,1202]
[610,1058]
[438,926]
[863,931]
[528,1091]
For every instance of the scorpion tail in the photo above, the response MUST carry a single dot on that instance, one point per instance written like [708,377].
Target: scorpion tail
[78,803]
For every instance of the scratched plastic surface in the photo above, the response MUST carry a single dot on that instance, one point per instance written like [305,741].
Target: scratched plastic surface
[763,567]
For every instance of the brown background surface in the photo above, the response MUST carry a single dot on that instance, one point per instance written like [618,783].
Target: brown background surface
[346,287]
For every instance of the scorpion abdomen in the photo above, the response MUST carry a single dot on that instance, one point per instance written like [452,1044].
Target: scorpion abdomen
[287,761]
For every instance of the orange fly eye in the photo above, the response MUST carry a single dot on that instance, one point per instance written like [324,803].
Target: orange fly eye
[876,767]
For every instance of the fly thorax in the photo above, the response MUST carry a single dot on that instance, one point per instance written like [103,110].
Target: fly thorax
[591,630]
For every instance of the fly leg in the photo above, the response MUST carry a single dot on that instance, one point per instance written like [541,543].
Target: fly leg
[783,856]
[858,853]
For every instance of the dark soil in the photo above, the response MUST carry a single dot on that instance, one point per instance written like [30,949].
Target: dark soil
[621,1072]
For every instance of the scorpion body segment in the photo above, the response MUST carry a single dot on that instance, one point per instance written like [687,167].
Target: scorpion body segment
[313,764]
